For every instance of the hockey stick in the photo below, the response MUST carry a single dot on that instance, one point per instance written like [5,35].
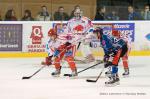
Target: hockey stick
[28,77]
[78,45]
[89,80]
[85,69]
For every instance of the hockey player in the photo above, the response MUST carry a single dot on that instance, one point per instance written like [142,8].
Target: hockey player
[60,48]
[113,51]
[80,27]
[49,48]
[117,35]
[66,51]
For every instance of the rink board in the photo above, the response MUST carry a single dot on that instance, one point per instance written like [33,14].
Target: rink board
[78,54]
[19,39]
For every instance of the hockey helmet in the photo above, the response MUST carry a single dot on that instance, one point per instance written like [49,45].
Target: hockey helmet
[98,31]
[52,32]
[116,33]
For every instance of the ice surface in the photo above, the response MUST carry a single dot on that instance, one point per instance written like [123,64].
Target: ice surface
[44,86]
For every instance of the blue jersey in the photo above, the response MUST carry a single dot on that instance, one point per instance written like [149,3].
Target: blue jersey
[110,44]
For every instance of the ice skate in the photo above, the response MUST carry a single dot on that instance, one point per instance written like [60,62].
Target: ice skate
[113,81]
[56,73]
[126,73]
[108,73]
[74,73]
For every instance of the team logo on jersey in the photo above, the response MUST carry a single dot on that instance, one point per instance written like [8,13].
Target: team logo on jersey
[78,28]
[36,35]
[103,42]
[148,36]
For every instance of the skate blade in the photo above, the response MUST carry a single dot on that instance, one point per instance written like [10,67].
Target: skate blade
[55,75]
[112,85]
[73,77]
[125,76]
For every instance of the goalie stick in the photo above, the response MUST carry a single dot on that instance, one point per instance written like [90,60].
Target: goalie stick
[85,69]
[89,80]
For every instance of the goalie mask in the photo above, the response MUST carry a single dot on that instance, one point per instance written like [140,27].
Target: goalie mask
[77,13]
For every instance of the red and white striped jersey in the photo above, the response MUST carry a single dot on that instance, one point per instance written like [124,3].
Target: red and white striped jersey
[80,27]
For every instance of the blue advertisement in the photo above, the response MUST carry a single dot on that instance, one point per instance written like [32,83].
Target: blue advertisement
[107,29]
[60,27]
[10,37]
[127,30]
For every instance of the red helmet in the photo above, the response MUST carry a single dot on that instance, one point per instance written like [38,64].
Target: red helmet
[116,33]
[52,32]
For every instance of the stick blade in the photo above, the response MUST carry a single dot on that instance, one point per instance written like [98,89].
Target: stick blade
[89,80]
[26,77]
[67,75]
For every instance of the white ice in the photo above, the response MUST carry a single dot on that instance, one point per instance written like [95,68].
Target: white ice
[44,86]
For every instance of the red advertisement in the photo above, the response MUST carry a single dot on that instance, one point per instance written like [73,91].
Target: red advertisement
[36,35]
[36,40]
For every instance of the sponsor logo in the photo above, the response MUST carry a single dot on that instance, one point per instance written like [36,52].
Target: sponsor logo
[10,37]
[121,26]
[126,30]
[36,35]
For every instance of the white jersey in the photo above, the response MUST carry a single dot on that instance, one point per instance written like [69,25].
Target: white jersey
[52,45]
[61,39]
[80,27]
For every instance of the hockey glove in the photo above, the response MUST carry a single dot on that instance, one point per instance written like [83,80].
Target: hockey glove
[67,44]
[106,58]
[113,52]
[48,61]
[107,64]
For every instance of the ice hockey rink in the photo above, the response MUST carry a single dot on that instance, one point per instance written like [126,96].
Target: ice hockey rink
[44,86]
